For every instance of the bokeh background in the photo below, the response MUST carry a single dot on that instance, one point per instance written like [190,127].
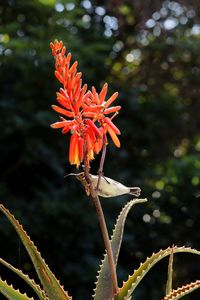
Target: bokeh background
[149,51]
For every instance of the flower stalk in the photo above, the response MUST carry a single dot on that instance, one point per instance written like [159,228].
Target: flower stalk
[87,116]
[100,215]
[100,171]
[107,243]
[102,223]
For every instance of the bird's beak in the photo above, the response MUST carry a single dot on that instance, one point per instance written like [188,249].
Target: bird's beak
[73,174]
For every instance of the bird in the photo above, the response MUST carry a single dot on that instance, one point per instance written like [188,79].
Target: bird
[108,187]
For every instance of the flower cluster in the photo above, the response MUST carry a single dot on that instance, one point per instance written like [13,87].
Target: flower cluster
[84,113]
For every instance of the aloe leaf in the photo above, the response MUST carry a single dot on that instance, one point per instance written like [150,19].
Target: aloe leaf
[26,278]
[50,284]
[10,293]
[170,272]
[103,288]
[129,286]
[182,291]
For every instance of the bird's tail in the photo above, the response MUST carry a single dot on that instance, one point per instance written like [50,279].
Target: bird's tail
[135,191]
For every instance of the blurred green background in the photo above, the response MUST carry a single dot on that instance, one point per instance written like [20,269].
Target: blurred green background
[149,51]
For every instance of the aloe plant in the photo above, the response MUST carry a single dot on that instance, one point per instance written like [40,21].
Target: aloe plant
[91,126]
[51,287]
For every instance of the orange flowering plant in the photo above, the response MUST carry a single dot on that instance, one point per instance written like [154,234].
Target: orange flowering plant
[88,116]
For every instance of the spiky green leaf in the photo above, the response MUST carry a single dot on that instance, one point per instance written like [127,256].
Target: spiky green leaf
[182,291]
[129,286]
[50,284]
[10,293]
[30,282]
[170,272]
[103,288]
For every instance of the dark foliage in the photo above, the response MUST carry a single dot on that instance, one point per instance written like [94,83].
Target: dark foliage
[149,53]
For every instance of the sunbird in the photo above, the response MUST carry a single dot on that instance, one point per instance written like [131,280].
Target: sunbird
[108,187]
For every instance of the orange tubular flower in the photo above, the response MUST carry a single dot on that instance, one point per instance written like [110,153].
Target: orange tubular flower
[98,109]
[87,110]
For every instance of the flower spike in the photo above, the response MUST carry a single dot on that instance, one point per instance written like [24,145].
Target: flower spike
[87,110]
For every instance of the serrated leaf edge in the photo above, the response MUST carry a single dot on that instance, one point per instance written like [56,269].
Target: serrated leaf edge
[125,210]
[133,280]
[37,289]
[182,291]
[20,231]
[14,290]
